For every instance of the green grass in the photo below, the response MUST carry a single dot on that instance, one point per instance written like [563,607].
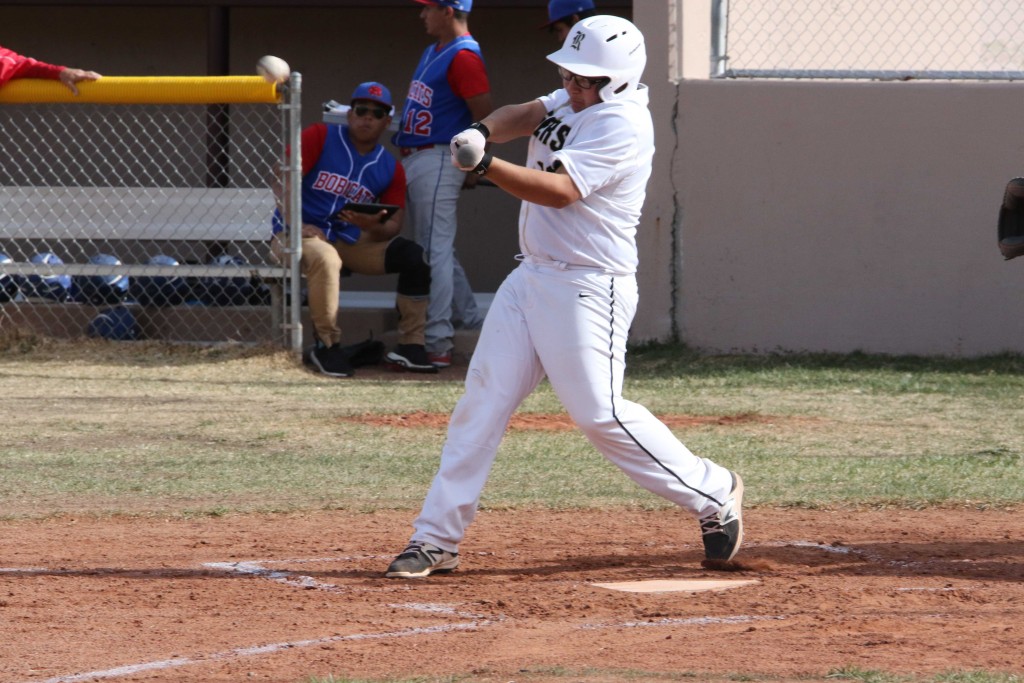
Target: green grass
[117,429]
[138,429]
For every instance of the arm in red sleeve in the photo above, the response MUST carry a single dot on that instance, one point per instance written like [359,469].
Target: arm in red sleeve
[467,75]
[13,65]
[313,139]
[395,192]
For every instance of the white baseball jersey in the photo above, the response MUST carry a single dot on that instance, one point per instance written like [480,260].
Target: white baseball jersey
[607,150]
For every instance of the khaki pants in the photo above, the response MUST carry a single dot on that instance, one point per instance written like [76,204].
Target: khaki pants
[321,265]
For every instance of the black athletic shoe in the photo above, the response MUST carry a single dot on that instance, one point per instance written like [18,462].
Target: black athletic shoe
[331,360]
[412,357]
[723,530]
[421,559]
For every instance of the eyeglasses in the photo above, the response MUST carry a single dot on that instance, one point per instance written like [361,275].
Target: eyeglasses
[363,110]
[582,81]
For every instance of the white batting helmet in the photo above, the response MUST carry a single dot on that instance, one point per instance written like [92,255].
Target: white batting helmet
[606,46]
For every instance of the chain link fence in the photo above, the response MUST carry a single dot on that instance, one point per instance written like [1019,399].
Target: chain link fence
[145,221]
[868,39]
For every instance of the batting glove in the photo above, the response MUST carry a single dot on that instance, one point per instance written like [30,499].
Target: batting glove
[472,143]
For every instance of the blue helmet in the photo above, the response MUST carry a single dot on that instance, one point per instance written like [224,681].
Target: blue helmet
[100,289]
[47,286]
[8,283]
[225,291]
[161,290]
[117,323]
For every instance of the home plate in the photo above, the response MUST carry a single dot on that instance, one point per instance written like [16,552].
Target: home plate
[676,585]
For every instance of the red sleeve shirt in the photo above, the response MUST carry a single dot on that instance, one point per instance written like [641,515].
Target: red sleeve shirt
[13,65]
[467,75]
[395,192]
[313,139]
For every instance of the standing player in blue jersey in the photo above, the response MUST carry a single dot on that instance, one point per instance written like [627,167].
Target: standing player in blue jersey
[564,313]
[346,163]
[449,90]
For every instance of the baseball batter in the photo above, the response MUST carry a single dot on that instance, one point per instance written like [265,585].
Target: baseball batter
[565,312]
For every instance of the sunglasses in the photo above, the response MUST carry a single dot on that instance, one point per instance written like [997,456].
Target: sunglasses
[363,110]
[582,81]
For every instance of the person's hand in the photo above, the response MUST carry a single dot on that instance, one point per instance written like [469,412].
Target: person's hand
[71,76]
[374,225]
[468,149]
[313,232]
[364,221]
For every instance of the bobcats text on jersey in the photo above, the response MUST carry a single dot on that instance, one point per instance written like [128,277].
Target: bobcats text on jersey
[335,183]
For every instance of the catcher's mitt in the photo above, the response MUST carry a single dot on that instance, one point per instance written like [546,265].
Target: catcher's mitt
[1011,220]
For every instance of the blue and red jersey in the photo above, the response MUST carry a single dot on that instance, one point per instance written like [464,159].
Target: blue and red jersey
[334,173]
[435,108]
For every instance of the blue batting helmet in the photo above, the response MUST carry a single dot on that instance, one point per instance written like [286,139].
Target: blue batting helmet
[47,286]
[100,289]
[117,323]
[159,290]
[8,283]
[223,290]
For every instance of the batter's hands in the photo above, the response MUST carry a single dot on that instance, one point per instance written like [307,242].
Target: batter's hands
[468,149]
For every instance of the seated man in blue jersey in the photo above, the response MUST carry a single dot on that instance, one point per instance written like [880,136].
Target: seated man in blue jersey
[346,163]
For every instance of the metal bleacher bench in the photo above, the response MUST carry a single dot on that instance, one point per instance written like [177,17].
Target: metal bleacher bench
[105,215]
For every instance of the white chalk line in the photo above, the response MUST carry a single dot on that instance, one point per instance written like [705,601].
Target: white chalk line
[691,621]
[256,568]
[241,652]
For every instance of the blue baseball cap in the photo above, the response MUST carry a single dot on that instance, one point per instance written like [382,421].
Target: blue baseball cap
[373,91]
[461,5]
[560,9]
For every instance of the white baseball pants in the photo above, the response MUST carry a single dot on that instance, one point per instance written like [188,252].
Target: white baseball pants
[571,325]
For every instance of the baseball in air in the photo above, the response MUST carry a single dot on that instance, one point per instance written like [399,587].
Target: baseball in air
[273,69]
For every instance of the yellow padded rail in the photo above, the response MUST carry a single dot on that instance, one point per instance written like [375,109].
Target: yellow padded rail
[145,90]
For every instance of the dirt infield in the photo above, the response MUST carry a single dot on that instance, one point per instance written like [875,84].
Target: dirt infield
[285,597]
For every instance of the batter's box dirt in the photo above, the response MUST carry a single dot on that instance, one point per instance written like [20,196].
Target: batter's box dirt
[285,597]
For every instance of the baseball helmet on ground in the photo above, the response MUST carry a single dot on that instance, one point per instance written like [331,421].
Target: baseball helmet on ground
[1011,220]
[117,323]
[8,283]
[54,287]
[605,46]
[100,289]
[159,290]
[226,291]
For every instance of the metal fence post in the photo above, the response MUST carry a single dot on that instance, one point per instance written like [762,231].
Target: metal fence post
[295,211]
[719,37]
